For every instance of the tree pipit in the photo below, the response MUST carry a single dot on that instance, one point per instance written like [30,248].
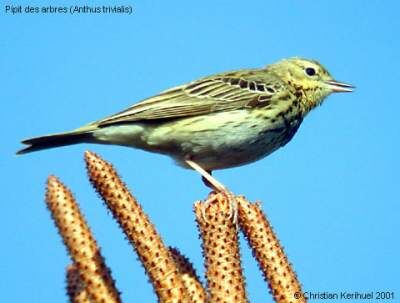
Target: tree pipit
[224,120]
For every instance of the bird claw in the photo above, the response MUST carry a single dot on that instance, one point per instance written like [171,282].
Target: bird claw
[233,206]
[205,205]
[209,180]
[233,209]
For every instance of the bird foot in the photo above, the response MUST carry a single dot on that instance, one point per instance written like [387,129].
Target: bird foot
[233,205]
[218,187]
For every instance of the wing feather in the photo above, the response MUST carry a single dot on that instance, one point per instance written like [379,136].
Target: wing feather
[226,91]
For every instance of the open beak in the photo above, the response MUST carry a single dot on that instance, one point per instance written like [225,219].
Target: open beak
[339,87]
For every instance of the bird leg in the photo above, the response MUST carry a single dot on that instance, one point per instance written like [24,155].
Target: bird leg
[206,182]
[210,181]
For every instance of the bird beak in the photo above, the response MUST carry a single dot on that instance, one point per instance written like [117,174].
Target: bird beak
[338,87]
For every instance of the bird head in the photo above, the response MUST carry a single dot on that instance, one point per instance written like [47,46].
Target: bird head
[310,78]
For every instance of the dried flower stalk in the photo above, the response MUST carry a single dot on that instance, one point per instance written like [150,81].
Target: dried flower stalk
[195,289]
[75,287]
[141,233]
[269,253]
[80,243]
[172,275]
[225,281]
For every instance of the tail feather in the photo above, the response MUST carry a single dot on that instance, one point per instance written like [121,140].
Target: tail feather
[56,140]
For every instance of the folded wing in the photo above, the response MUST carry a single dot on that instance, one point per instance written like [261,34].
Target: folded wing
[227,91]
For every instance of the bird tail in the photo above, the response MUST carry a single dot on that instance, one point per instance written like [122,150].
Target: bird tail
[56,140]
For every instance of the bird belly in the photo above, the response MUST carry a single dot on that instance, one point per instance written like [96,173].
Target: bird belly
[214,141]
[220,140]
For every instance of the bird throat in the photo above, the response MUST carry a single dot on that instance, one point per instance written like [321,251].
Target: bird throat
[310,98]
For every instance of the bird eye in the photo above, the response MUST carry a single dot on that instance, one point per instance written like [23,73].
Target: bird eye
[310,71]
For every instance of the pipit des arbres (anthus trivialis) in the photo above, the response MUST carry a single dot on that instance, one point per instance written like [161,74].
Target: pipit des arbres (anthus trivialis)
[224,120]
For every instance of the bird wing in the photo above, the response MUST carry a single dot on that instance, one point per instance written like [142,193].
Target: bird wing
[221,92]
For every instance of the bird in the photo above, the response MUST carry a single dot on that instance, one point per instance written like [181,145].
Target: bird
[220,121]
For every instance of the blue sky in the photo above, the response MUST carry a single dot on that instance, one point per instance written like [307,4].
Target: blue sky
[331,194]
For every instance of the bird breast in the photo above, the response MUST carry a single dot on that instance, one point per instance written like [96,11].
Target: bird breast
[224,139]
